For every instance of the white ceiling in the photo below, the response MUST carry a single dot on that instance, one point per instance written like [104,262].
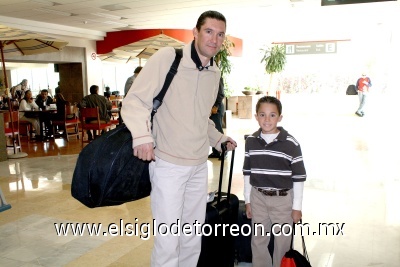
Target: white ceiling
[246,19]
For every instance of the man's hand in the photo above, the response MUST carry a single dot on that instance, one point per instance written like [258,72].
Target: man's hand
[144,152]
[231,145]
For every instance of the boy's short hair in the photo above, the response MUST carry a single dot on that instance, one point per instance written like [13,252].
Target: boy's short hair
[272,100]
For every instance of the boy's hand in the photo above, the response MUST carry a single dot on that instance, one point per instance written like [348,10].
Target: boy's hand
[296,215]
[248,211]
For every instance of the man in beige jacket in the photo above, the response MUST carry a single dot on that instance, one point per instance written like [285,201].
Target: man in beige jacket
[182,133]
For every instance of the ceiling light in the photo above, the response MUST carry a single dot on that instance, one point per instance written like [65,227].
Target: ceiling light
[55,12]
[129,27]
[43,2]
[114,7]
[104,15]
[115,23]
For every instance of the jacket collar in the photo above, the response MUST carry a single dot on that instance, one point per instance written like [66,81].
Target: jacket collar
[196,59]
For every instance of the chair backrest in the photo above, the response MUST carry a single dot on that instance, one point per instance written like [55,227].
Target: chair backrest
[14,105]
[71,109]
[89,114]
[11,120]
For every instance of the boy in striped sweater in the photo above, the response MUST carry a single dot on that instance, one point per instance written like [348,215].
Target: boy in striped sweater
[274,176]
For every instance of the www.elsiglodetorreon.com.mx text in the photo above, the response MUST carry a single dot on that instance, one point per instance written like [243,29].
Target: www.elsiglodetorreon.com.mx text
[145,230]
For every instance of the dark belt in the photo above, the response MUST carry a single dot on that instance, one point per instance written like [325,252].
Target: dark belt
[281,192]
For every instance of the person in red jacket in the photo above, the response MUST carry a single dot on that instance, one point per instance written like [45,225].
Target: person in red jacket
[363,84]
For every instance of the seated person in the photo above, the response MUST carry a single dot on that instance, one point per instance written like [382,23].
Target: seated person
[27,104]
[95,100]
[60,103]
[107,92]
[4,99]
[107,95]
[43,99]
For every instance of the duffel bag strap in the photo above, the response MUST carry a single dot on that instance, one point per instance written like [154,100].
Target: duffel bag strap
[157,101]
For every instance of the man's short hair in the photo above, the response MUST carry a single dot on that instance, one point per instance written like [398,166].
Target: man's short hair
[94,89]
[44,91]
[209,14]
[138,69]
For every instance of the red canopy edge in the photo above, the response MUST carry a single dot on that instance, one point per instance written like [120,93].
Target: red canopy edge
[120,38]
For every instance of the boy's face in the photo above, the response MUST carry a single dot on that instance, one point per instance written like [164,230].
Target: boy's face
[268,118]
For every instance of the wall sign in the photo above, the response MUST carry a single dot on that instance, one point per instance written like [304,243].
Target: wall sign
[93,56]
[310,48]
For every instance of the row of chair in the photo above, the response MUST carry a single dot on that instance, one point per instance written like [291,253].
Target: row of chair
[95,124]
[68,126]
[69,122]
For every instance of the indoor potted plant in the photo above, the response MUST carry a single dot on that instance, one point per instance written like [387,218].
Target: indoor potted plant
[274,59]
[249,90]
[222,60]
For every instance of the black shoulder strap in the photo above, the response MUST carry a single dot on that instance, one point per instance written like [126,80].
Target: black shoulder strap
[157,101]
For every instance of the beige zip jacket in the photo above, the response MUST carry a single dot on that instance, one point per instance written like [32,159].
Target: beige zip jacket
[182,131]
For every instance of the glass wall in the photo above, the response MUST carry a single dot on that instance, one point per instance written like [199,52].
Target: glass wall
[39,76]
[114,75]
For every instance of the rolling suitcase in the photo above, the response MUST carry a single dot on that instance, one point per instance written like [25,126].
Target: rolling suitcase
[218,248]
[243,242]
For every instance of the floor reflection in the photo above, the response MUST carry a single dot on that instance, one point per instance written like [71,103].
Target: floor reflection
[352,180]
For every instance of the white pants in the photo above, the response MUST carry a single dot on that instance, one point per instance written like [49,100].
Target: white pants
[178,194]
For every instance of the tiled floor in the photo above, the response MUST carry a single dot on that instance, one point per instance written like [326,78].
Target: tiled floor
[352,180]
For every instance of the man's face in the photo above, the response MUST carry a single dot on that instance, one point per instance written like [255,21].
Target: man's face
[209,39]
[44,94]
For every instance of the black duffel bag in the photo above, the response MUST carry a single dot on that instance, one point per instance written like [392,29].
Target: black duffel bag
[351,90]
[107,173]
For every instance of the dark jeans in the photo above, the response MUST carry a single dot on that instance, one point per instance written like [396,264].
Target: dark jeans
[217,119]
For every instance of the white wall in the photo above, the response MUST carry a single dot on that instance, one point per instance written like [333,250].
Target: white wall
[372,47]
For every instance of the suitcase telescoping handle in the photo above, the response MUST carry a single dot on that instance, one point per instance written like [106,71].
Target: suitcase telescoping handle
[221,172]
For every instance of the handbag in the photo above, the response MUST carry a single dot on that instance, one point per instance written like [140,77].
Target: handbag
[107,173]
[293,258]
[351,90]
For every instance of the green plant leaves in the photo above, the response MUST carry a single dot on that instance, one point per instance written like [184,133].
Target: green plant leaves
[274,59]
[221,58]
